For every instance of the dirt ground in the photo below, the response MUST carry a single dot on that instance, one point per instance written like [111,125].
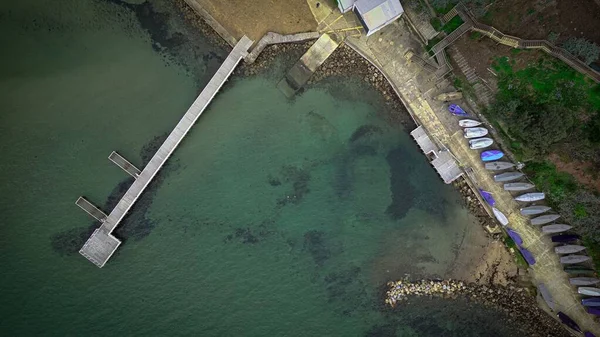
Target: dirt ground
[582,171]
[535,19]
[255,18]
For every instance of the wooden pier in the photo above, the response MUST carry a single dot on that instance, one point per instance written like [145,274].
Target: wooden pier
[102,244]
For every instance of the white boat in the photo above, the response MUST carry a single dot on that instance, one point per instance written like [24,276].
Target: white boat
[480,143]
[544,219]
[583,281]
[475,132]
[500,216]
[568,249]
[589,291]
[518,186]
[498,165]
[546,296]
[572,259]
[533,210]
[530,197]
[468,123]
[508,176]
[556,228]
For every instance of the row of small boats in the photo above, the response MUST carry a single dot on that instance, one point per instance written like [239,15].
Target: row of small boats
[571,255]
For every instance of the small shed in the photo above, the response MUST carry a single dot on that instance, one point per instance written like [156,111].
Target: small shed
[376,14]
[345,5]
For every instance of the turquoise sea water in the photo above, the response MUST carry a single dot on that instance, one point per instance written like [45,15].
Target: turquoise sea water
[273,218]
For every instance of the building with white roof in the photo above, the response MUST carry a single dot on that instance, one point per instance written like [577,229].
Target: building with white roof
[375,14]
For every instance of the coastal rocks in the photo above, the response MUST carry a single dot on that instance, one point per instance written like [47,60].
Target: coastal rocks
[517,302]
[473,205]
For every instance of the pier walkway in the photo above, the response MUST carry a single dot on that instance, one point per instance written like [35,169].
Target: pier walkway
[102,244]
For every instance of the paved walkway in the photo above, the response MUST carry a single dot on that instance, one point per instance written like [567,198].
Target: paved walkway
[102,244]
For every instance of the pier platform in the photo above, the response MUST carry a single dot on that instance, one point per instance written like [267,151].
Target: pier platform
[102,244]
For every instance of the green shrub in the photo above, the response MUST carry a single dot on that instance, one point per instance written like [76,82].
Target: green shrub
[582,48]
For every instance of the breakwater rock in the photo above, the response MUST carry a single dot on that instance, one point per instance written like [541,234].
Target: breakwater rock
[517,303]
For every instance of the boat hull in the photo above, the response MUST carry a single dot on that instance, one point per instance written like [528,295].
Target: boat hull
[588,291]
[480,143]
[583,281]
[508,176]
[554,229]
[546,296]
[499,166]
[568,249]
[531,197]
[491,155]
[457,110]
[544,219]
[518,186]
[500,216]
[565,238]
[475,132]
[591,302]
[534,210]
[468,123]
[573,259]
[568,321]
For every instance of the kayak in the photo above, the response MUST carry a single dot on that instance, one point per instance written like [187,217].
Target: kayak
[480,143]
[500,216]
[456,110]
[533,210]
[498,165]
[530,197]
[475,132]
[487,196]
[491,155]
[518,186]
[468,123]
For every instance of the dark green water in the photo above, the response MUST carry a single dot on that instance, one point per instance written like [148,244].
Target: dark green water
[273,218]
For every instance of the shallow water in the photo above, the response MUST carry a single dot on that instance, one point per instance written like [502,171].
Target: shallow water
[274,217]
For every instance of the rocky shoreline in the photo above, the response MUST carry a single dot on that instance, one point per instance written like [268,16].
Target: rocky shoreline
[516,302]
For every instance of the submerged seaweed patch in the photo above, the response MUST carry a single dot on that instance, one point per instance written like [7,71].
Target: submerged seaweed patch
[364,131]
[316,245]
[299,179]
[69,242]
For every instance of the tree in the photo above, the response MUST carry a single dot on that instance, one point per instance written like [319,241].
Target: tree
[582,48]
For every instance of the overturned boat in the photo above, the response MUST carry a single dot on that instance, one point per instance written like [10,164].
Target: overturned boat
[591,302]
[500,216]
[491,155]
[568,249]
[533,210]
[468,123]
[514,236]
[573,259]
[530,197]
[568,321]
[508,176]
[544,219]
[487,196]
[480,143]
[589,291]
[546,296]
[475,132]
[566,238]
[527,256]
[518,186]
[593,311]
[583,281]
[457,110]
[556,228]
[579,270]
[498,165]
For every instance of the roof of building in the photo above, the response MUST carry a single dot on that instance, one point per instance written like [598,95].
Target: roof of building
[377,13]
[345,5]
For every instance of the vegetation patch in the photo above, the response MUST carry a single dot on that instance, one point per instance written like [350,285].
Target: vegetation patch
[518,257]
[451,25]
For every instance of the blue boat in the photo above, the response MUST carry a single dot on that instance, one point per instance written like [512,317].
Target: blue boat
[594,311]
[457,110]
[487,196]
[568,321]
[591,302]
[588,334]
[490,155]
[565,238]
[515,236]
[527,256]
